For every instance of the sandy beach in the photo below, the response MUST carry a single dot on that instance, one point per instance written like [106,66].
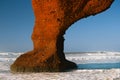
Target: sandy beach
[6,59]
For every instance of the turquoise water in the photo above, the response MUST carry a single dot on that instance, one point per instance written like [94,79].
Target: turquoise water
[99,66]
[96,60]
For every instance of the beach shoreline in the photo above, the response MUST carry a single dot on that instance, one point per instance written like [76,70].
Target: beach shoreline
[6,59]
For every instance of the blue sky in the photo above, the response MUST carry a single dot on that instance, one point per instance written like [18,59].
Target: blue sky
[95,33]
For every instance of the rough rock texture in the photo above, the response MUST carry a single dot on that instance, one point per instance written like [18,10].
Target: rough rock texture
[52,19]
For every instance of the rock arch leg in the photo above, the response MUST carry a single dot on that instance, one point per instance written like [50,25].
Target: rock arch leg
[52,19]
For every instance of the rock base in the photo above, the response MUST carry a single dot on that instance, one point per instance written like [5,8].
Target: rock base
[30,62]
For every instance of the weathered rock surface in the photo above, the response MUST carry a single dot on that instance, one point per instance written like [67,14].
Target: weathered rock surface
[52,19]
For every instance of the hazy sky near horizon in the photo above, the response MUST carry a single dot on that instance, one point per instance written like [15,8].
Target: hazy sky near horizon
[95,33]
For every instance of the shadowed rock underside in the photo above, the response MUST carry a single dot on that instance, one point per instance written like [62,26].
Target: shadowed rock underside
[52,19]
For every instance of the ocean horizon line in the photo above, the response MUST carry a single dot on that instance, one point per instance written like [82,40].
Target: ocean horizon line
[66,52]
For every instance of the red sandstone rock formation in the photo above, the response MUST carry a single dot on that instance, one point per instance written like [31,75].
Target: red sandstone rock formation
[52,19]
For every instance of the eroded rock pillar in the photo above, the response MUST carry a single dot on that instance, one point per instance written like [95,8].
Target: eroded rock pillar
[52,19]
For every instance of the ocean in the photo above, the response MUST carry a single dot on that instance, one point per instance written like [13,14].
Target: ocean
[91,66]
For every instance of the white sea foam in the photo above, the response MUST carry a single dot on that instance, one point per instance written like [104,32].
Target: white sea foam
[98,57]
[6,59]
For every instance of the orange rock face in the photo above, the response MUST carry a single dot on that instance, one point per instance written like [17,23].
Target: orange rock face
[52,19]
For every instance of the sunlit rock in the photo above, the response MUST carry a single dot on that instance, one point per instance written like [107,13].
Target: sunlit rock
[52,19]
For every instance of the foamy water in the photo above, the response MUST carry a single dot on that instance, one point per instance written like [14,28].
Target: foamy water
[6,59]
